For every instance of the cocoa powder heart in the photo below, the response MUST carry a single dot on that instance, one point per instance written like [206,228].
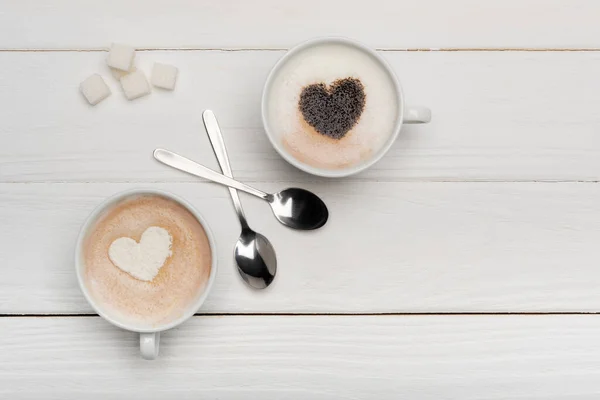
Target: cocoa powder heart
[333,110]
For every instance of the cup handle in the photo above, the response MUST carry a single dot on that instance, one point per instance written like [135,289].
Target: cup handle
[417,115]
[149,344]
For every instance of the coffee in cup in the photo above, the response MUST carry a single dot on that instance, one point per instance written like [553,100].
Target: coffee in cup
[145,261]
[332,107]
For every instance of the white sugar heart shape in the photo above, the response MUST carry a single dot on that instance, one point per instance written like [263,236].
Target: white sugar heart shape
[142,260]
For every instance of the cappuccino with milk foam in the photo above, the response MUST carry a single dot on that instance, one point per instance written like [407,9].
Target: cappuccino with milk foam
[332,106]
[148,299]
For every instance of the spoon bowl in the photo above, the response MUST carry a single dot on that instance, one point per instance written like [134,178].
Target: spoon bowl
[299,209]
[255,258]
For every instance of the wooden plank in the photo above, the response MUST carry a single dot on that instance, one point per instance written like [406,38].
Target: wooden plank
[275,24]
[312,357]
[497,116]
[388,247]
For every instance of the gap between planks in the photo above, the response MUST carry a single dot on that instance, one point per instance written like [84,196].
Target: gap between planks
[243,49]
[386,314]
[309,179]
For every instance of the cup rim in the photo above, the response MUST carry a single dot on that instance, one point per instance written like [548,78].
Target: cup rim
[323,172]
[93,217]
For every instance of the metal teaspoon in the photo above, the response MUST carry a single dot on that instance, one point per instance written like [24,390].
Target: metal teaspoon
[293,207]
[254,254]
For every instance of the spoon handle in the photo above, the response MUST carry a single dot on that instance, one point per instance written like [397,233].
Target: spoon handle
[183,164]
[218,145]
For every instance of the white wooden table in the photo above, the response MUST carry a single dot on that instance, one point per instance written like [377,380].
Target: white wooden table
[474,268]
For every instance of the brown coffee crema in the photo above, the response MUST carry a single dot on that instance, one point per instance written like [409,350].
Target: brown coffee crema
[321,151]
[179,282]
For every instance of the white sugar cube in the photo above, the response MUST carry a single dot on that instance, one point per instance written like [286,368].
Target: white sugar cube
[135,85]
[118,74]
[164,76]
[120,57]
[94,89]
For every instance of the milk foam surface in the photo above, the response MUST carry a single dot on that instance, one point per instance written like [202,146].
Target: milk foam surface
[142,260]
[327,63]
[179,282]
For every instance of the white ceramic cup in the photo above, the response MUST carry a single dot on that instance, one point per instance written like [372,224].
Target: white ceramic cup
[406,114]
[149,337]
